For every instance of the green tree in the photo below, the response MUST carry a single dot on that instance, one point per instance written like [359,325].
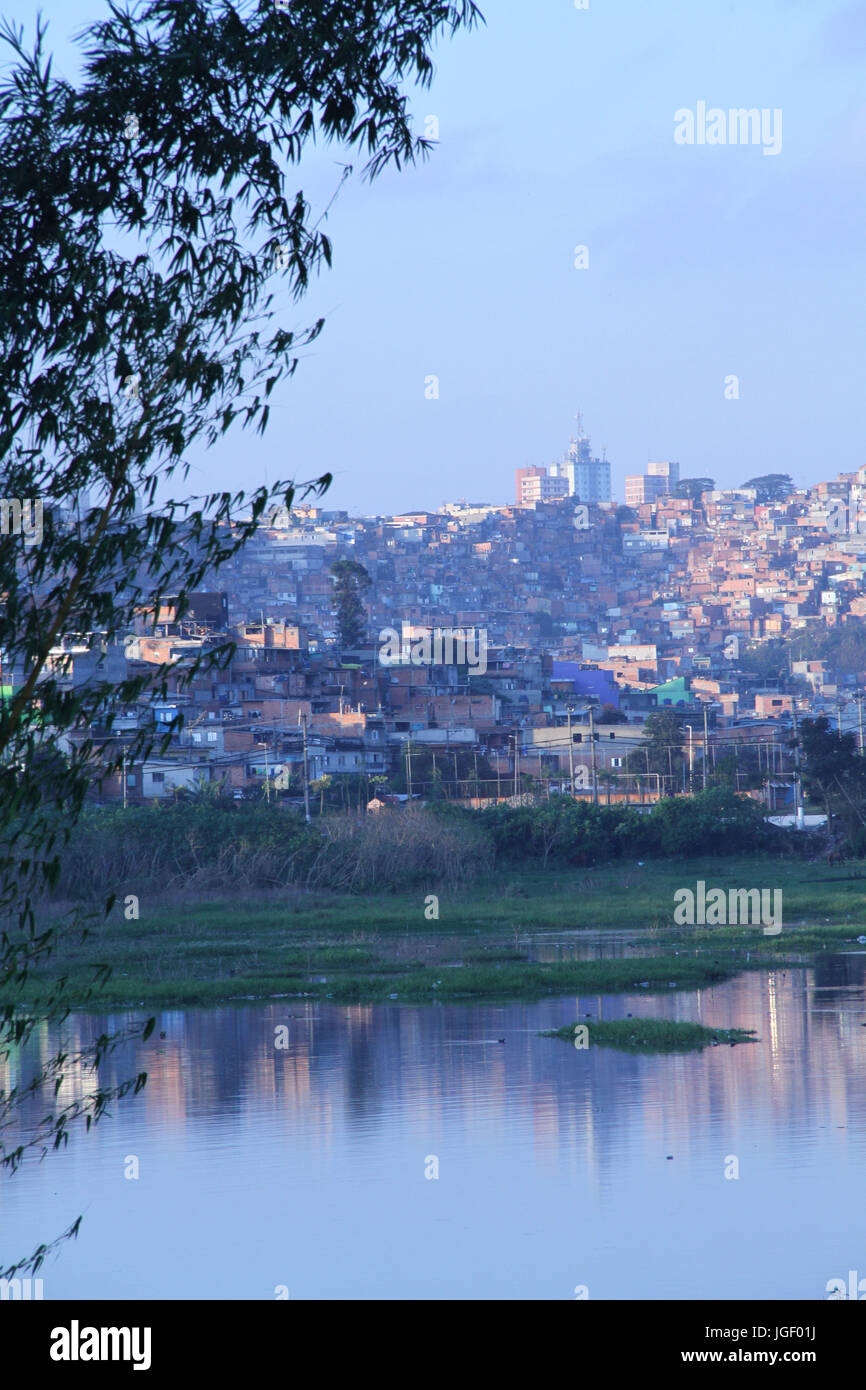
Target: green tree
[835,774]
[771,487]
[692,488]
[661,750]
[607,781]
[768,660]
[724,773]
[351,580]
[147,213]
[843,647]
[319,787]
[712,822]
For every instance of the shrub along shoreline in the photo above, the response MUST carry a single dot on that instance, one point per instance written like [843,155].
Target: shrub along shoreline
[214,847]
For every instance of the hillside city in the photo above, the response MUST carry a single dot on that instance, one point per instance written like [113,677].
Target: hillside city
[533,640]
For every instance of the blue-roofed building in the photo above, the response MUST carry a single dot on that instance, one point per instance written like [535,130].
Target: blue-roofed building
[569,678]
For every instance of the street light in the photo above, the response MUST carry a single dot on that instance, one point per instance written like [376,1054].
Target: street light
[859,697]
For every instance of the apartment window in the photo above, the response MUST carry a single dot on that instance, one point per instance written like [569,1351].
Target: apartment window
[212,736]
[130,779]
[157,777]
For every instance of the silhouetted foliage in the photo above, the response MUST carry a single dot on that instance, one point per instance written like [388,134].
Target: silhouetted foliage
[692,488]
[771,487]
[146,213]
[351,580]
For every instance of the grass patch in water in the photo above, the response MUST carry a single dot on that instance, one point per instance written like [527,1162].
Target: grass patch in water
[653,1035]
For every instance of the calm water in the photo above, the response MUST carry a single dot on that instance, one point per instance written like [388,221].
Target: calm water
[306,1167]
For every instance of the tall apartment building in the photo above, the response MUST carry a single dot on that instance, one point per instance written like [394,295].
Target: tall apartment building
[522,475]
[644,487]
[671,471]
[537,485]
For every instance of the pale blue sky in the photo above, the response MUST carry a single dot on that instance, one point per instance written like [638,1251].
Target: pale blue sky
[556,129]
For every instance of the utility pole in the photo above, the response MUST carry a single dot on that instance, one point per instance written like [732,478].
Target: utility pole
[592,750]
[267,776]
[691,764]
[570,752]
[798,800]
[516,768]
[498,777]
[706,741]
[124,779]
[859,699]
[306,777]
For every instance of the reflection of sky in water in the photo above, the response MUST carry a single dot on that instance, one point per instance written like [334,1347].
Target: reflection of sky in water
[305,1167]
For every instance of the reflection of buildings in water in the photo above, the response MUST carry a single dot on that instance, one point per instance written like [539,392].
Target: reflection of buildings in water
[354,1068]
[166,1092]
[773,1020]
[546,1116]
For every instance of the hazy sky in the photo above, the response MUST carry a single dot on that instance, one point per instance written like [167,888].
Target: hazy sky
[705,261]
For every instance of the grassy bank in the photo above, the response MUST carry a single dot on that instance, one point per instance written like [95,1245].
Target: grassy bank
[626,895]
[184,977]
[485,941]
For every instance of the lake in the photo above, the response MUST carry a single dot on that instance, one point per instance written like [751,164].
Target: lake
[558,1169]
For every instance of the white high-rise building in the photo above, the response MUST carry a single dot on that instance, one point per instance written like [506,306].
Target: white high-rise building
[588,477]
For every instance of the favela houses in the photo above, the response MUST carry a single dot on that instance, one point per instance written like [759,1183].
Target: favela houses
[432,672]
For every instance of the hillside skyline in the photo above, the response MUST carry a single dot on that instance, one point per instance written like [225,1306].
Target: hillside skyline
[702,262]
